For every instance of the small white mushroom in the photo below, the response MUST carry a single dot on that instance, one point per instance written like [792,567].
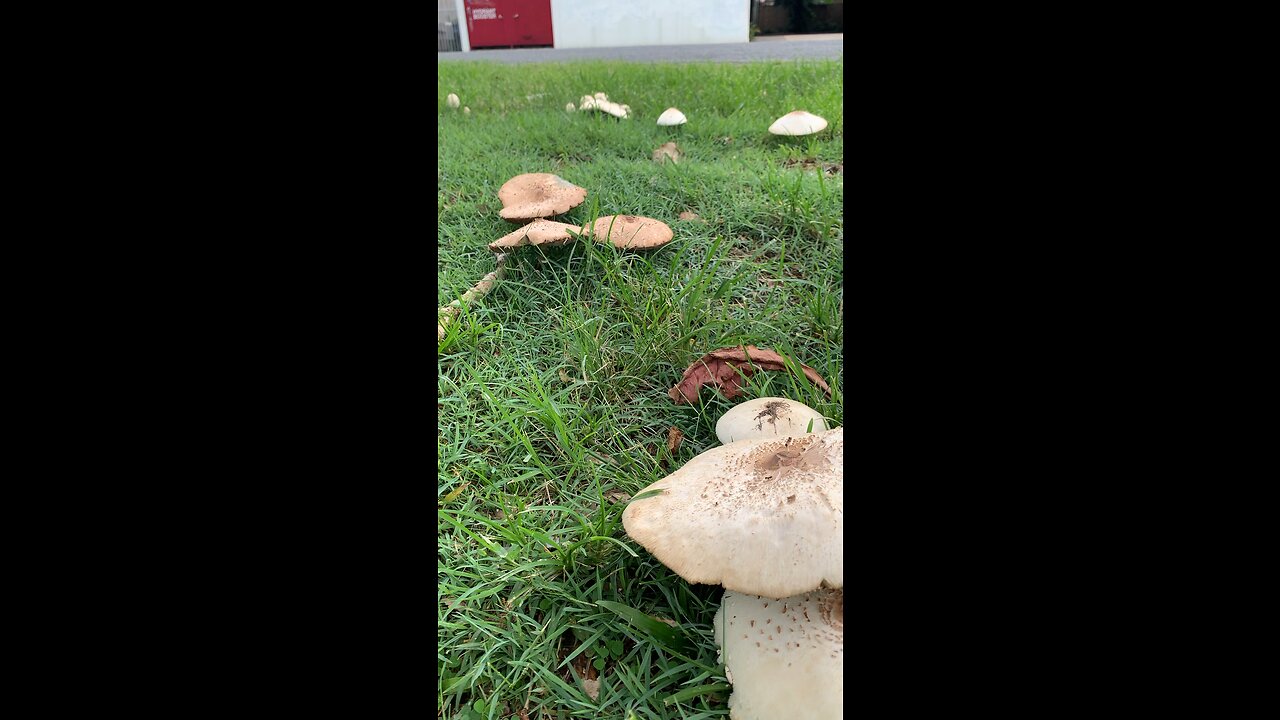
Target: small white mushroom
[768,417]
[587,102]
[452,101]
[466,111]
[568,107]
[601,96]
[672,116]
[798,122]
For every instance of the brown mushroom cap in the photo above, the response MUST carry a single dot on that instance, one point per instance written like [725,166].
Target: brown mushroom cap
[538,232]
[764,517]
[632,232]
[538,195]
[784,657]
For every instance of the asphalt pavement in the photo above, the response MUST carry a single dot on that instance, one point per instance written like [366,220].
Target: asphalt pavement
[776,47]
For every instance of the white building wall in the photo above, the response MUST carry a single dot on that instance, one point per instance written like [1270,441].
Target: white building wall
[621,23]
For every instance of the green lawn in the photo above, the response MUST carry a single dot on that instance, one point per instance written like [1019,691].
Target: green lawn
[553,405]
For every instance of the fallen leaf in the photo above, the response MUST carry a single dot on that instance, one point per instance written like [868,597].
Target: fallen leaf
[689,216]
[617,496]
[453,495]
[592,687]
[674,437]
[665,151]
[727,367]
[672,623]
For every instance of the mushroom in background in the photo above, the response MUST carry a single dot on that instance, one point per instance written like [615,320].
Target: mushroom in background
[798,122]
[538,195]
[569,107]
[466,111]
[762,517]
[785,658]
[452,101]
[672,116]
[768,417]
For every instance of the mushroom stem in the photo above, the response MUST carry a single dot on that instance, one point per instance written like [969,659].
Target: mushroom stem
[449,312]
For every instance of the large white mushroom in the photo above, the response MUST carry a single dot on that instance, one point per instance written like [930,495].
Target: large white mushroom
[785,657]
[768,417]
[452,101]
[798,122]
[763,517]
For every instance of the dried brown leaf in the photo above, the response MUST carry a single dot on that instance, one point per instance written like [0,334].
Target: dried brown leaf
[727,367]
[617,496]
[592,688]
[667,151]
[674,438]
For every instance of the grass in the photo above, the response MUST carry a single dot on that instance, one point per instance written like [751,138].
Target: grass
[553,405]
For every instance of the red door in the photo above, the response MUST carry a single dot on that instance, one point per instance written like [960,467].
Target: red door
[508,23]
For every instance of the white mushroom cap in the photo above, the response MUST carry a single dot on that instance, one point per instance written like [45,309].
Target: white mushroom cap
[764,517]
[538,195]
[587,102]
[672,116]
[798,122]
[452,101]
[784,657]
[768,417]
[600,96]
[613,108]
[568,107]
[466,111]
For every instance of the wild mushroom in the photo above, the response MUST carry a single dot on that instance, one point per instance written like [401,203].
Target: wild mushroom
[768,417]
[538,195]
[587,102]
[763,517]
[631,232]
[613,108]
[452,101]
[671,116]
[466,111]
[568,107]
[538,232]
[785,658]
[798,122]
[601,97]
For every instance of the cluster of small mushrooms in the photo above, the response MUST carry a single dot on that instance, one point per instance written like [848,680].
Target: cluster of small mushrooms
[532,198]
[763,515]
[599,101]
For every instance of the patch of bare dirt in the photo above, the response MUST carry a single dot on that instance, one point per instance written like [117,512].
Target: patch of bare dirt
[813,164]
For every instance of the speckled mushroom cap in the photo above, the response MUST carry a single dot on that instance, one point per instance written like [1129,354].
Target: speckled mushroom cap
[784,657]
[632,232]
[764,517]
[538,232]
[538,195]
[798,122]
[767,417]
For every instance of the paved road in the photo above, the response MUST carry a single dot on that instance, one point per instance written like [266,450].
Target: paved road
[784,47]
